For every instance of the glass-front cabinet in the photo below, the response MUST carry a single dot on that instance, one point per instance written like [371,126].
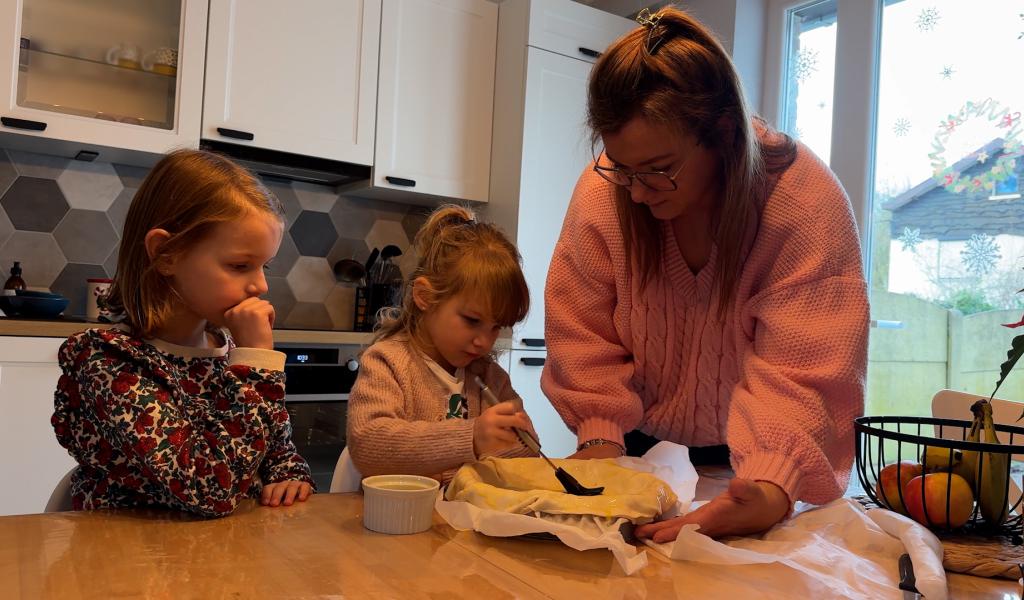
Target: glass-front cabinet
[102,76]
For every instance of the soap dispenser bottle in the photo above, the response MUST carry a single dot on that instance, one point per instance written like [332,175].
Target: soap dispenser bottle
[15,282]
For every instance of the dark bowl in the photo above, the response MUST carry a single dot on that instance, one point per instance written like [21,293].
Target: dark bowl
[33,307]
[36,294]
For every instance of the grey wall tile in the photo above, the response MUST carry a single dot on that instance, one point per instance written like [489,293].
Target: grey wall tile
[281,297]
[6,228]
[289,201]
[350,220]
[40,256]
[90,185]
[355,249]
[7,171]
[34,204]
[387,232]
[319,198]
[311,279]
[110,264]
[131,176]
[287,254]
[313,233]
[86,236]
[29,164]
[309,315]
[340,304]
[414,220]
[118,211]
[71,283]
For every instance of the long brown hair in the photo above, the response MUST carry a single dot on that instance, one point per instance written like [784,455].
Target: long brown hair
[188,193]
[458,254]
[673,72]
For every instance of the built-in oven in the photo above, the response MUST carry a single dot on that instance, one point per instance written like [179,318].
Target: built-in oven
[318,380]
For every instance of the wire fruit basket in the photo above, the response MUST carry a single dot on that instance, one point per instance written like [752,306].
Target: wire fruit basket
[900,443]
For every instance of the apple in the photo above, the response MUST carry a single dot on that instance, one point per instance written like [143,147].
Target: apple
[930,492]
[892,479]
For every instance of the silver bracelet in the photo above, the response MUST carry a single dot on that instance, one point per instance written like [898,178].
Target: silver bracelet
[600,442]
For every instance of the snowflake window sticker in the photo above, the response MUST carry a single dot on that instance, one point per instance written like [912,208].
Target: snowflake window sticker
[947,72]
[901,127]
[980,254]
[910,238]
[928,19]
[806,64]
[1007,126]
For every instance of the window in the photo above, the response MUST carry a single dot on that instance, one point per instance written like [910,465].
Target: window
[928,140]
[810,72]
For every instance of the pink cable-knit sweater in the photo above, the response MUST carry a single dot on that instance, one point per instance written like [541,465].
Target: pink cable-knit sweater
[779,380]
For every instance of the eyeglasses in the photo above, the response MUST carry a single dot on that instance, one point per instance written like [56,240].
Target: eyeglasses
[658,181]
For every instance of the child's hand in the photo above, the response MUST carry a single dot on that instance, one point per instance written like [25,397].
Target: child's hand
[492,430]
[285,492]
[251,322]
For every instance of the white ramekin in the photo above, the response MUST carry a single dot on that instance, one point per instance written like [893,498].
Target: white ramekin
[401,511]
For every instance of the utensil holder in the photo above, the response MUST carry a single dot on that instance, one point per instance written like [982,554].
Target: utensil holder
[370,300]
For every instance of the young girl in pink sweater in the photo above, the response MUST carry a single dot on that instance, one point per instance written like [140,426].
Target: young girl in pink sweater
[707,286]
[415,407]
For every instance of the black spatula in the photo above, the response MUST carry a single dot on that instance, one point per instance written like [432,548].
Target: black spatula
[568,481]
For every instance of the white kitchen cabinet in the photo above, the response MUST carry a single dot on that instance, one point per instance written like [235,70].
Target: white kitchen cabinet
[33,462]
[541,142]
[297,77]
[104,79]
[434,101]
[555,438]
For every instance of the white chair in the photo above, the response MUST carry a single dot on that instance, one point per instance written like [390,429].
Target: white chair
[951,404]
[60,498]
[346,477]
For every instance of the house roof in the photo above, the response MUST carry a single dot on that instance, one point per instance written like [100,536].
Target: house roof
[931,183]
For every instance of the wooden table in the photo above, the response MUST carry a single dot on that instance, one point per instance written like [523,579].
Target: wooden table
[320,549]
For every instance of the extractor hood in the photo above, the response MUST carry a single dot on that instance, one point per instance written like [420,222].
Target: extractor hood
[290,166]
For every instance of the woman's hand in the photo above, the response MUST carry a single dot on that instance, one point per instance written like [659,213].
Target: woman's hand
[493,429]
[598,451]
[251,323]
[746,507]
[285,492]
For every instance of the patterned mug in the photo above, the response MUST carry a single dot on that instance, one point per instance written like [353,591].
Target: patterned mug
[96,288]
[163,60]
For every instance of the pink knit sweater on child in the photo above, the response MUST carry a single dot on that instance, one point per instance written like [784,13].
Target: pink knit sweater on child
[779,379]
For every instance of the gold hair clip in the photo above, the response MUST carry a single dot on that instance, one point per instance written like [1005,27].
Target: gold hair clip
[646,19]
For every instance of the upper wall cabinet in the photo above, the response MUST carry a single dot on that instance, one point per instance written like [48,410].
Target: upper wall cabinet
[108,79]
[435,99]
[298,77]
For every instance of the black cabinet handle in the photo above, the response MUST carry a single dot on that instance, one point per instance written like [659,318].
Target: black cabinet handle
[401,181]
[235,134]
[23,124]
[534,342]
[589,52]
[532,362]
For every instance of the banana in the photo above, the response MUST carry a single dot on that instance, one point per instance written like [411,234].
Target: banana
[969,461]
[936,460]
[993,472]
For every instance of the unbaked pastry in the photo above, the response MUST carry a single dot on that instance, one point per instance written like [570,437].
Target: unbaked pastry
[529,486]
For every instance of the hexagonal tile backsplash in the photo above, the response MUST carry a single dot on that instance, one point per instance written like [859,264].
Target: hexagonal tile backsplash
[62,220]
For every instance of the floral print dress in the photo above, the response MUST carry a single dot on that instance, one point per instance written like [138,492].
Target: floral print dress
[153,424]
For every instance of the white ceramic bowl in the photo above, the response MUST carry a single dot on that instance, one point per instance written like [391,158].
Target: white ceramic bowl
[398,503]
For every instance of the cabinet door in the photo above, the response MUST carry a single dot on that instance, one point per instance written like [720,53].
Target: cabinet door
[573,29]
[555,438]
[103,76]
[33,461]
[435,97]
[556,149]
[299,77]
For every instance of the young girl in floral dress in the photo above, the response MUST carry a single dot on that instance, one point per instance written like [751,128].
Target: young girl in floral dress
[181,404]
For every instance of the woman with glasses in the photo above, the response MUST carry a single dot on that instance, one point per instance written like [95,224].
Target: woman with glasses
[707,286]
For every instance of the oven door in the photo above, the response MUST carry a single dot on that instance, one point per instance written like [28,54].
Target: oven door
[317,400]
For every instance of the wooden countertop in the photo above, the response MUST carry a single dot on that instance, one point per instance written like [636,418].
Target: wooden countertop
[61,329]
[320,548]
